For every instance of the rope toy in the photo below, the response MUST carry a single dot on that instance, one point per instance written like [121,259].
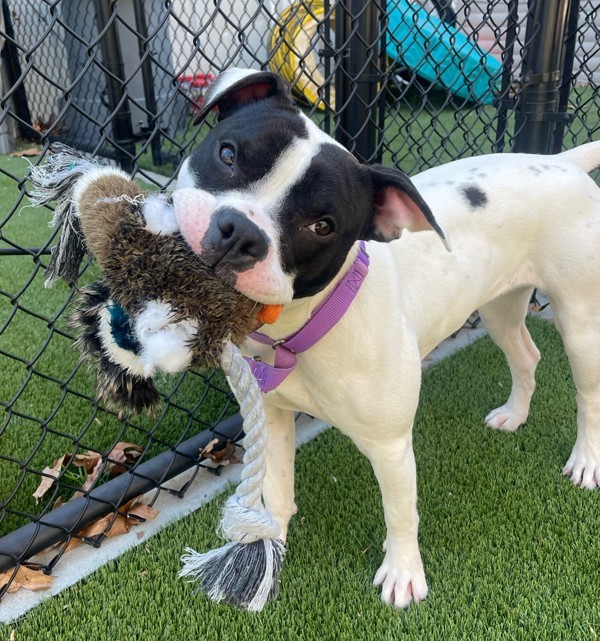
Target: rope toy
[158,307]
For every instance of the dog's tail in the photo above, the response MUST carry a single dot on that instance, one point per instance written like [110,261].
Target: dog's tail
[586,157]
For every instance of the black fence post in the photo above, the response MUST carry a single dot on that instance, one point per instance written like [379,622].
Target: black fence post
[567,74]
[149,94]
[112,59]
[538,109]
[357,36]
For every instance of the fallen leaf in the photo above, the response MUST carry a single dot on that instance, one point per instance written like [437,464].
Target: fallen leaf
[26,578]
[209,447]
[121,455]
[93,475]
[50,475]
[108,526]
[224,456]
[143,512]
[123,452]
[88,460]
[73,543]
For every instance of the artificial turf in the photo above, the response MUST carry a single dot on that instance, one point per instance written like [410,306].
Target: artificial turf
[46,396]
[510,546]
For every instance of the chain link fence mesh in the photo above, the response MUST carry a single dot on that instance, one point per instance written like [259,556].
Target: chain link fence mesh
[123,80]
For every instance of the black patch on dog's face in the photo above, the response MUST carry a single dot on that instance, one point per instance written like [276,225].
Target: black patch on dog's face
[257,135]
[475,196]
[322,212]
[335,190]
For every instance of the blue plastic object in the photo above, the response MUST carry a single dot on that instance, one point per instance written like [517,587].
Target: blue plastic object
[440,53]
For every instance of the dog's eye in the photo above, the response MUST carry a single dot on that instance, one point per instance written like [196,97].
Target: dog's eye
[227,154]
[321,228]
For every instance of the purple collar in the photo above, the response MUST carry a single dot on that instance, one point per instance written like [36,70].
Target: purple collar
[324,318]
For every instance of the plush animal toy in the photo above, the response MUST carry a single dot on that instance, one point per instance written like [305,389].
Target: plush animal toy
[159,307]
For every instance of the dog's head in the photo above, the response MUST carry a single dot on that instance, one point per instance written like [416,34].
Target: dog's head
[274,204]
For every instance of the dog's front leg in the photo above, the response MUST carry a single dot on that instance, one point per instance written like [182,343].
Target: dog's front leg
[401,575]
[278,487]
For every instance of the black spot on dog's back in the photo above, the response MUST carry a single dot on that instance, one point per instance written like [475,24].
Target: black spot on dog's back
[475,196]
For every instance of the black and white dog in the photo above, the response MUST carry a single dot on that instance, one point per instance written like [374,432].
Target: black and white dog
[279,209]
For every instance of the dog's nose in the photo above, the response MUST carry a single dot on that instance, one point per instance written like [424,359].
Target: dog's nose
[234,241]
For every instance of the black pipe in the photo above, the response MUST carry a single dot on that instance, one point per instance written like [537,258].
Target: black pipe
[445,11]
[51,528]
[12,66]
[357,76]
[538,101]
[148,80]
[505,102]
[112,60]
[25,251]
[567,74]
[383,84]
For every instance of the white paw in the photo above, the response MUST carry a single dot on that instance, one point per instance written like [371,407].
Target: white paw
[505,418]
[399,586]
[583,468]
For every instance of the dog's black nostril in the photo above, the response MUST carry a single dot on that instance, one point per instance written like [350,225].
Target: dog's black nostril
[254,249]
[234,241]
[227,228]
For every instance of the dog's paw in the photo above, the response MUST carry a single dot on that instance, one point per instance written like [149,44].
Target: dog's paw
[505,418]
[400,587]
[583,468]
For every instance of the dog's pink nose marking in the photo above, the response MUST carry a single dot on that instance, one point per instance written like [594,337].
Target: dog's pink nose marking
[193,209]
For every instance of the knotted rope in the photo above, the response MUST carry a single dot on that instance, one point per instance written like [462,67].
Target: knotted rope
[245,571]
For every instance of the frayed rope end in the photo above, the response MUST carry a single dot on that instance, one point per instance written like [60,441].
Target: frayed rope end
[244,572]
[245,575]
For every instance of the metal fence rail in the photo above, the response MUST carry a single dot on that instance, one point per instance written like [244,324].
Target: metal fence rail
[413,84]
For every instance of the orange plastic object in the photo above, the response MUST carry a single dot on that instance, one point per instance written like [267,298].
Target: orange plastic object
[269,313]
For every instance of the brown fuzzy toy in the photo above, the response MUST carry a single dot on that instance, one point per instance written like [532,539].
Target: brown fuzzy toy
[158,306]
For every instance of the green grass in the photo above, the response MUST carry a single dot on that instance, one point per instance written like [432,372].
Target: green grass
[45,395]
[510,547]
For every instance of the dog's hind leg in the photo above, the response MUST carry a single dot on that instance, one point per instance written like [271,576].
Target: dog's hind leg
[579,325]
[504,319]
[278,485]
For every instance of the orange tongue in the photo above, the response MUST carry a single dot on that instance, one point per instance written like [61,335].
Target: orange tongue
[269,314]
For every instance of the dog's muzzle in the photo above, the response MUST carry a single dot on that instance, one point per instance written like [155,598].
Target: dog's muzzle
[233,243]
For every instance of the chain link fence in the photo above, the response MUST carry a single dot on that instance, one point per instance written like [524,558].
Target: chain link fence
[412,84]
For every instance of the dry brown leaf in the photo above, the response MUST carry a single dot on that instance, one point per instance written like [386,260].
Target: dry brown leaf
[26,578]
[107,525]
[224,456]
[88,460]
[142,511]
[127,506]
[121,455]
[73,543]
[124,451]
[93,475]
[209,447]
[50,475]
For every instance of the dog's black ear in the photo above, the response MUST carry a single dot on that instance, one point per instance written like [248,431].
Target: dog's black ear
[235,88]
[398,205]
